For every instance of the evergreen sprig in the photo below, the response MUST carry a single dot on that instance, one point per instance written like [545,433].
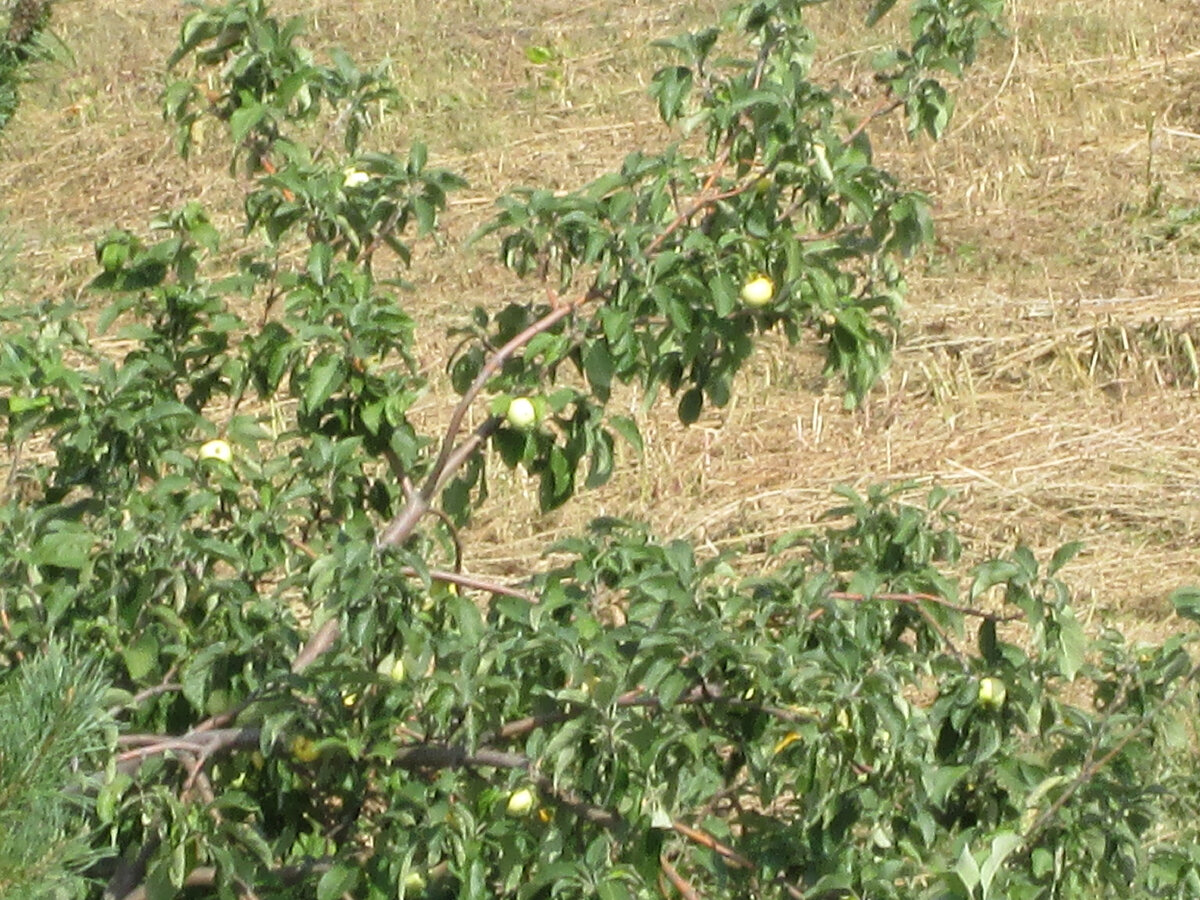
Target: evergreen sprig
[54,732]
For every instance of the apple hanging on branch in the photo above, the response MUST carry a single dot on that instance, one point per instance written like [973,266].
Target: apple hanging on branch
[758,291]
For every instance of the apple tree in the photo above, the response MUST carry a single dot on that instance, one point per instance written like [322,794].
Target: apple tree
[265,559]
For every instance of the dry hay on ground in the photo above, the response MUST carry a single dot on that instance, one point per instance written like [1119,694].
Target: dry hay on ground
[1044,372]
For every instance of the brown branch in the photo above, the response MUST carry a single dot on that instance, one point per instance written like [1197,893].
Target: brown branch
[731,856]
[884,107]
[697,207]
[206,876]
[195,742]
[473,583]
[704,839]
[386,227]
[317,645]
[702,693]
[166,686]
[677,881]
[455,756]
[203,744]
[917,599]
[463,451]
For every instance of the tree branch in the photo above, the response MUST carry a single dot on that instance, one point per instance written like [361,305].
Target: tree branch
[206,876]
[917,599]
[677,881]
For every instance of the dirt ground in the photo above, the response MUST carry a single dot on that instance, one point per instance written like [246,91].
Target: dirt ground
[1048,366]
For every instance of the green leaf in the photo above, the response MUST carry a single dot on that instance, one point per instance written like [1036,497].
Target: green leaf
[987,641]
[325,376]
[557,481]
[196,674]
[426,215]
[598,365]
[671,86]
[339,880]
[245,119]
[878,11]
[418,155]
[601,468]
[67,548]
[109,799]
[320,258]
[1063,555]
[456,498]
[967,870]
[1186,601]
[992,573]
[141,656]
[691,404]
[1072,643]
[939,782]
[1003,844]
[614,890]
[628,429]
[539,55]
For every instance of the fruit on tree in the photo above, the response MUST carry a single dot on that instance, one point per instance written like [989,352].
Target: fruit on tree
[304,749]
[415,881]
[218,450]
[991,693]
[521,413]
[521,802]
[758,291]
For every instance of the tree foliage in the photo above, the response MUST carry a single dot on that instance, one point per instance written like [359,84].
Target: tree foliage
[263,552]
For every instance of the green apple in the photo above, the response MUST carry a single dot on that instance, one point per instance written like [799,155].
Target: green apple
[992,693]
[218,702]
[521,802]
[218,450]
[415,881]
[304,750]
[758,291]
[522,414]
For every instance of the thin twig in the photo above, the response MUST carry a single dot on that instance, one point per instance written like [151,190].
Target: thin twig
[164,688]
[677,881]
[917,599]
[206,876]
[884,107]
[704,839]
[698,206]
[386,227]
[324,638]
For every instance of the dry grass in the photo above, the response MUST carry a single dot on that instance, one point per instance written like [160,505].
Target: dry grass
[1046,370]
